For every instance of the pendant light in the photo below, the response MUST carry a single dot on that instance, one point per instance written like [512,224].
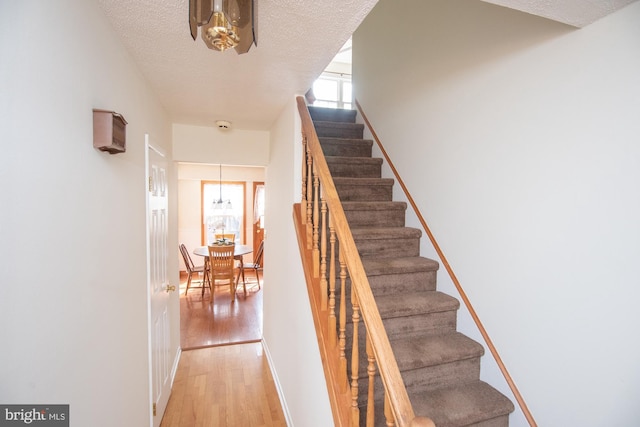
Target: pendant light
[221,211]
[219,205]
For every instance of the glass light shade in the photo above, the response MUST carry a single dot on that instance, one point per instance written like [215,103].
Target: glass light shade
[220,205]
[225,23]
[220,34]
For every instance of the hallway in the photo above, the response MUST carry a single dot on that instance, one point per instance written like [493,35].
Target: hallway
[223,378]
[224,386]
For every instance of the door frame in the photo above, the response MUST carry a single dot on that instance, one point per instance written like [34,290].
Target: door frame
[258,233]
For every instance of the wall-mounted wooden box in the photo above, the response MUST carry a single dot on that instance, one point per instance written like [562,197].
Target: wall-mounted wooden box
[109,131]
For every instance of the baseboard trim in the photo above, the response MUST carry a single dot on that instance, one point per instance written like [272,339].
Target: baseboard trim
[276,380]
[174,368]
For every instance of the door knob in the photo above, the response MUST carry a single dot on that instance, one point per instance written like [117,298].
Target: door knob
[171,288]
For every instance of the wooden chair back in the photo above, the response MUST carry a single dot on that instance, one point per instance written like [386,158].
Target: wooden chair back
[221,266]
[192,270]
[187,258]
[257,261]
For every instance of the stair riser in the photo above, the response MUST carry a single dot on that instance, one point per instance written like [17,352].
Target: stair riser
[388,248]
[378,218]
[502,421]
[355,170]
[403,283]
[393,284]
[365,193]
[403,327]
[424,379]
[332,115]
[339,130]
[446,374]
[345,148]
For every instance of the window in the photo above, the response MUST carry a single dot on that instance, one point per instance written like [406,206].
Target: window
[333,91]
[227,218]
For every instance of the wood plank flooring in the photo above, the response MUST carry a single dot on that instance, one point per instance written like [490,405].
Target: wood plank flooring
[223,378]
[225,386]
[203,324]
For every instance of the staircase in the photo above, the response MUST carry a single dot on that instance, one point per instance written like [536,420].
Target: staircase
[440,367]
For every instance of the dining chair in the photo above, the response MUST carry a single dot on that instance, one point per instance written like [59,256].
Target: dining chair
[256,266]
[193,269]
[221,266]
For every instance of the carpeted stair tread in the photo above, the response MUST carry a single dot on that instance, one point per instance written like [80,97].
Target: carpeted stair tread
[336,140]
[387,242]
[354,167]
[337,125]
[387,266]
[332,114]
[385,233]
[415,303]
[346,147]
[374,206]
[364,189]
[352,159]
[431,350]
[338,129]
[362,181]
[463,405]
[385,215]
[375,214]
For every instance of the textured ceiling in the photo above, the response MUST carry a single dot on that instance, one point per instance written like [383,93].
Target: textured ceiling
[296,41]
[577,13]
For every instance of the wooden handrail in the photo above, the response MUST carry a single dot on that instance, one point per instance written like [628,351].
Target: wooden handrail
[395,390]
[454,279]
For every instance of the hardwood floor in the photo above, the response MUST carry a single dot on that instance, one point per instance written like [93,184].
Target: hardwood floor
[225,386]
[203,324]
[223,378]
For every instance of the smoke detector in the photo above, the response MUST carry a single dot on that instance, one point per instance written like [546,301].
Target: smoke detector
[223,124]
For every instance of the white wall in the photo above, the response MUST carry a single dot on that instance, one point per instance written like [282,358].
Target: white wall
[518,138]
[202,144]
[73,301]
[288,331]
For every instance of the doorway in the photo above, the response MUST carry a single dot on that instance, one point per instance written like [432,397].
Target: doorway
[204,324]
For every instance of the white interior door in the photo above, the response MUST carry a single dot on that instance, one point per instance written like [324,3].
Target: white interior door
[159,287]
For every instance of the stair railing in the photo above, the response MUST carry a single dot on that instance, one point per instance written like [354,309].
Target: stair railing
[452,275]
[326,244]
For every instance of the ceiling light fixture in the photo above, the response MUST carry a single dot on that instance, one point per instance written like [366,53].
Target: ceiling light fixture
[223,124]
[225,23]
[220,205]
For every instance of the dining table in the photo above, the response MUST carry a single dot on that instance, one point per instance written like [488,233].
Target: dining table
[238,252]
